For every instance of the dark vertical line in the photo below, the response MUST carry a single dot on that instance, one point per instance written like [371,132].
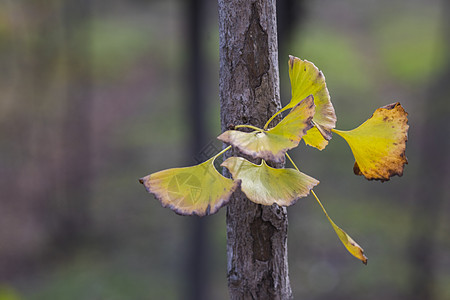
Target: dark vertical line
[197,273]
[289,14]
[430,188]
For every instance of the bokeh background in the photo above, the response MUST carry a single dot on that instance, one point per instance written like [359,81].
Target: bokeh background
[96,94]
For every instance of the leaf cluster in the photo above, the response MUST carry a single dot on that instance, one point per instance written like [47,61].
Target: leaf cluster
[378,146]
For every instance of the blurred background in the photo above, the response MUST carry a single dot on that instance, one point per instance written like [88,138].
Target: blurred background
[96,94]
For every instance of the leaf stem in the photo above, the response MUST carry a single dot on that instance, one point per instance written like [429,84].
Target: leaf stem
[312,191]
[346,240]
[249,126]
[340,133]
[273,117]
[323,208]
[292,162]
[337,131]
[222,152]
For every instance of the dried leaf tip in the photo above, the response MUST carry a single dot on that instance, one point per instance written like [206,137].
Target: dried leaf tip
[291,61]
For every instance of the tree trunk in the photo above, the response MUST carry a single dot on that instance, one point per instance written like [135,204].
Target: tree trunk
[249,94]
[197,272]
[430,188]
[73,220]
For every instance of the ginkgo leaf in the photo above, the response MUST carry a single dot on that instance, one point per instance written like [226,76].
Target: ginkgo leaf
[272,144]
[306,79]
[315,139]
[265,185]
[348,242]
[379,144]
[197,190]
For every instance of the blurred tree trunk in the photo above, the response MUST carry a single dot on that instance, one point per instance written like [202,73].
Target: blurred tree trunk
[290,16]
[197,268]
[249,94]
[431,186]
[28,61]
[72,222]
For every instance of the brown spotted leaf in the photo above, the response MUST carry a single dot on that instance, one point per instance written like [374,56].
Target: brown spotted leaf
[379,144]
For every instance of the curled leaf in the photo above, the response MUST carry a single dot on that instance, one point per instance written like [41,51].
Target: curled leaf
[272,144]
[306,79]
[315,139]
[265,185]
[197,190]
[379,144]
[348,242]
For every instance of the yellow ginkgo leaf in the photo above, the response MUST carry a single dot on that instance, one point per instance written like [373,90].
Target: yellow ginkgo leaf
[379,144]
[348,242]
[265,185]
[306,79]
[315,139]
[272,144]
[197,190]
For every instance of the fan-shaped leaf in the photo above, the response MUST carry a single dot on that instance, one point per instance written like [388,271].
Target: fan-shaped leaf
[306,79]
[379,144]
[265,185]
[272,144]
[197,190]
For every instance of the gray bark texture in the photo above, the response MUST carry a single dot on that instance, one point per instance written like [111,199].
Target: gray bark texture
[249,94]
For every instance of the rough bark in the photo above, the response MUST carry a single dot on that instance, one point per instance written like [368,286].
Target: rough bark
[249,94]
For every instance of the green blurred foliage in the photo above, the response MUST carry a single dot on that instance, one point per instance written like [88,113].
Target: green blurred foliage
[95,278]
[412,51]
[336,55]
[8,293]
[117,46]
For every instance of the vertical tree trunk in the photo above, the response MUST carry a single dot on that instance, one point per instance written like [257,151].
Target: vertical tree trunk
[430,188]
[197,268]
[73,219]
[249,94]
